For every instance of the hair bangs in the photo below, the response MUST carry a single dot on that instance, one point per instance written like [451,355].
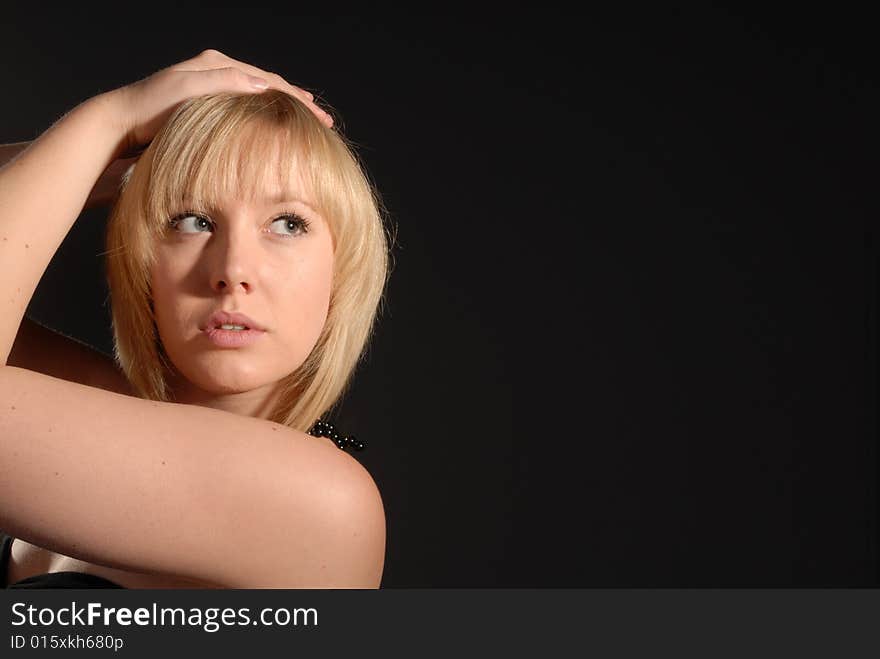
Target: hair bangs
[238,152]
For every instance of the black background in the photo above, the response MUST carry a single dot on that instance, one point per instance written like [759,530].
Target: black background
[629,335]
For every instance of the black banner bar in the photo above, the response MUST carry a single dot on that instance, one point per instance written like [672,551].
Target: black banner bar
[445,622]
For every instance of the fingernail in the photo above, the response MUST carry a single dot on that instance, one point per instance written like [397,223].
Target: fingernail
[258,83]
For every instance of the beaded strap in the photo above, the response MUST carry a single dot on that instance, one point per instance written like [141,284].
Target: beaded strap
[326,429]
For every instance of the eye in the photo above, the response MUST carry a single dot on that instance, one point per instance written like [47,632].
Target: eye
[190,223]
[290,224]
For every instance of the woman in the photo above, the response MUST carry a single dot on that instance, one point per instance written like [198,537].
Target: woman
[246,260]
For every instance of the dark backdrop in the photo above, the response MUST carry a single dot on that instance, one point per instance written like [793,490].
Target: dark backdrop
[629,337]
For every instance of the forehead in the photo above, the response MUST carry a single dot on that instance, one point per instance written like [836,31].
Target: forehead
[255,166]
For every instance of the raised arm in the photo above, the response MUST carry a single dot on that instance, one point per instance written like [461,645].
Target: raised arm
[41,349]
[148,486]
[42,192]
[44,188]
[104,191]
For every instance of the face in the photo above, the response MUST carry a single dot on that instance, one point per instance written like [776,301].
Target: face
[270,259]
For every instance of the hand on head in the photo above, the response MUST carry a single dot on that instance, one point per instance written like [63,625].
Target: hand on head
[144,106]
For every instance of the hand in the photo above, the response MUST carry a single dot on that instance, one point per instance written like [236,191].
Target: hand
[144,106]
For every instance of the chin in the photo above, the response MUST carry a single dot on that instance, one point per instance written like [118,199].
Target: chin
[226,387]
[225,372]
[223,376]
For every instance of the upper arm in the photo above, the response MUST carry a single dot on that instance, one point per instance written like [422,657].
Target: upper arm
[182,490]
[38,348]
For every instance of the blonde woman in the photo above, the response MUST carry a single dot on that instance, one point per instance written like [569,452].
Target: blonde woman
[246,257]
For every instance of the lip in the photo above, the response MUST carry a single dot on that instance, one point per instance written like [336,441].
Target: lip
[231,338]
[230,318]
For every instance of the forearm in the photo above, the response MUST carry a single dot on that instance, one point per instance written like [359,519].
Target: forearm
[106,189]
[42,192]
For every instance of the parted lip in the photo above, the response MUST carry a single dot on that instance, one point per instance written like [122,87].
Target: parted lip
[230,318]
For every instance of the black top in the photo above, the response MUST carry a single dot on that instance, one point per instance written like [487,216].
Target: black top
[52,580]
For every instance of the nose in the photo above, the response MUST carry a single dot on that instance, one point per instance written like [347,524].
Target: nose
[232,264]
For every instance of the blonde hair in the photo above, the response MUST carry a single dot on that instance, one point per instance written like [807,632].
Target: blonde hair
[232,144]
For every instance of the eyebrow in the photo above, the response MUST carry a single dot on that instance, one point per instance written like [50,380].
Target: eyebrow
[283,199]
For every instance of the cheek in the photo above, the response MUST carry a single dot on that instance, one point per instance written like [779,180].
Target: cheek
[167,286]
[304,299]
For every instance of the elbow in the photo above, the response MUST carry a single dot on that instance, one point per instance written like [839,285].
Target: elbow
[355,551]
[368,521]
[323,529]
[334,538]
[350,543]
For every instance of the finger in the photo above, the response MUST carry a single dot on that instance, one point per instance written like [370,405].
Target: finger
[306,97]
[213,81]
[211,58]
[277,82]
[302,95]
